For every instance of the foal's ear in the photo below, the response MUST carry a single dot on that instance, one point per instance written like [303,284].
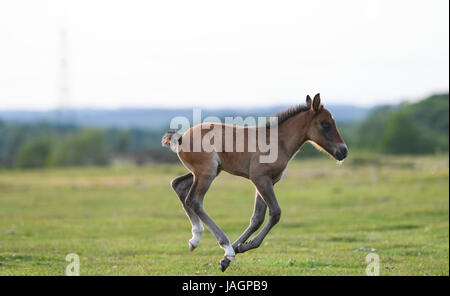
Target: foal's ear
[316,106]
[308,101]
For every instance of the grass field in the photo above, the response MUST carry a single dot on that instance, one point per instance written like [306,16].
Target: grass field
[128,221]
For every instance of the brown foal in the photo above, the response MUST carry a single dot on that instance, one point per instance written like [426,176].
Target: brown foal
[310,122]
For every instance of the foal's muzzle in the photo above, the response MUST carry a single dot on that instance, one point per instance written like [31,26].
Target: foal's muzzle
[341,152]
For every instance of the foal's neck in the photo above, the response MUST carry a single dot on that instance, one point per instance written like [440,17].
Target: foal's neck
[292,133]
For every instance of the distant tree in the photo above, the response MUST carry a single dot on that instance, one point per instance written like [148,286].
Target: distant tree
[123,142]
[85,148]
[432,118]
[432,112]
[34,153]
[402,136]
[371,130]
[14,138]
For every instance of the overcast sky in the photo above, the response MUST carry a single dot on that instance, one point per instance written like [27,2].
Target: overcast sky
[221,53]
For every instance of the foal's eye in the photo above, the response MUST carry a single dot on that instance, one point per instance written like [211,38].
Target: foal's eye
[325,125]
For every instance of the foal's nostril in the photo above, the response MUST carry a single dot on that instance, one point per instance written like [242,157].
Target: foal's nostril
[341,152]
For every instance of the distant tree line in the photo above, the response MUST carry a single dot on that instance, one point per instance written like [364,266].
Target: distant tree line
[41,145]
[419,128]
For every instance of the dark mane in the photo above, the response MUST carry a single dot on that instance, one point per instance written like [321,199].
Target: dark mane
[289,112]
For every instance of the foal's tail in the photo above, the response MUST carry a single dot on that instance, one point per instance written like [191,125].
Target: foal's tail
[171,137]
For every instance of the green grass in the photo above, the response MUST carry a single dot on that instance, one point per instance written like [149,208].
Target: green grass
[128,221]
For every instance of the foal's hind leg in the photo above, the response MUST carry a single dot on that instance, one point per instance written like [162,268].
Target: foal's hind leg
[194,200]
[257,219]
[182,185]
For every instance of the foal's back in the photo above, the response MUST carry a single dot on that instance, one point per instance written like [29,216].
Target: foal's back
[231,148]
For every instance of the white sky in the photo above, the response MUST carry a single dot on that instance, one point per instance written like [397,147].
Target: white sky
[222,53]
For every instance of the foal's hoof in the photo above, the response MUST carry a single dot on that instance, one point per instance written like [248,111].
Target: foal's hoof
[224,263]
[191,247]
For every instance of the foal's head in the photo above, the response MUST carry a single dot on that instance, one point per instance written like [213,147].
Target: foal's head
[322,131]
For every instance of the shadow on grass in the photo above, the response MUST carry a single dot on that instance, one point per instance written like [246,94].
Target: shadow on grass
[396,227]
[287,224]
[346,239]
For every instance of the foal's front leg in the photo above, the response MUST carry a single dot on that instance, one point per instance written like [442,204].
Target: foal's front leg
[257,219]
[264,186]
[194,200]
